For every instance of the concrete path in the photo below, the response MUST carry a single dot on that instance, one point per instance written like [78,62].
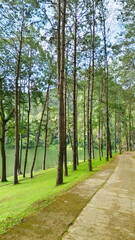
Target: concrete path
[110,215]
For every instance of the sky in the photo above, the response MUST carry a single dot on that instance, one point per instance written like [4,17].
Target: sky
[113,25]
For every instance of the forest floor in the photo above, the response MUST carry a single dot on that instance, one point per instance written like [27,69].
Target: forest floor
[102,207]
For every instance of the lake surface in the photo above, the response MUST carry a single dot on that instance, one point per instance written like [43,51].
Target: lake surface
[51,159]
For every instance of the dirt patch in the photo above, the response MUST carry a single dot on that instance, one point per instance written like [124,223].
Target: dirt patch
[50,222]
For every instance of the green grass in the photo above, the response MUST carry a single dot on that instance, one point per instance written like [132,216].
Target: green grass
[18,201]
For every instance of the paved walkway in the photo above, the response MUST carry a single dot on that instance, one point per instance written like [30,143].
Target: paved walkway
[110,215]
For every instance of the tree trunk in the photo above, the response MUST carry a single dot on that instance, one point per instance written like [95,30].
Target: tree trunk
[3,154]
[119,132]
[75,141]
[99,133]
[110,145]
[38,135]
[127,142]
[16,165]
[46,131]
[61,64]
[92,88]
[92,147]
[88,110]
[102,143]
[69,134]
[28,126]
[84,127]
[115,134]
[108,140]
[2,138]
[130,129]
[65,127]
[20,155]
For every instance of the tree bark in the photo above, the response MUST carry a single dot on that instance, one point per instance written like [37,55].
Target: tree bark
[61,64]
[69,133]
[102,140]
[115,134]
[88,108]
[119,134]
[28,126]
[84,126]
[46,131]
[2,138]
[75,140]
[108,139]
[20,155]
[65,126]
[92,88]
[16,165]
[99,129]
[130,129]
[3,154]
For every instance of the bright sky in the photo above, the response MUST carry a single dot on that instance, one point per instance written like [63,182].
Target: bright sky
[113,25]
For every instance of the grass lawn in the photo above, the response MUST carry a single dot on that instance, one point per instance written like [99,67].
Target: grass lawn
[18,201]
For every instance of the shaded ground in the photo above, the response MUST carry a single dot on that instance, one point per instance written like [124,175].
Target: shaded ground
[110,215]
[50,222]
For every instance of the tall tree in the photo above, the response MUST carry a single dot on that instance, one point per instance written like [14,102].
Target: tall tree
[108,139]
[92,87]
[61,65]
[75,135]
[65,122]
[16,105]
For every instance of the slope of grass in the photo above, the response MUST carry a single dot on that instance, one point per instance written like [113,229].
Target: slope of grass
[18,201]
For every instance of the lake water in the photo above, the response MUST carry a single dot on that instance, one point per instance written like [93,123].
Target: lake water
[51,159]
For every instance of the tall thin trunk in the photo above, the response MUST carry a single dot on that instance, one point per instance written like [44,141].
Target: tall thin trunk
[108,139]
[102,140]
[61,64]
[130,129]
[2,138]
[46,132]
[99,128]
[92,88]
[88,108]
[127,140]
[69,133]
[119,134]
[133,136]
[3,154]
[84,126]
[20,155]
[28,126]
[65,125]
[110,145]
[75,140]
[115,133]
[92,147]
[38,134]
[16,111]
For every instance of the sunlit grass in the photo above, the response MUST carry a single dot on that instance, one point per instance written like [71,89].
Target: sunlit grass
[18,201]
